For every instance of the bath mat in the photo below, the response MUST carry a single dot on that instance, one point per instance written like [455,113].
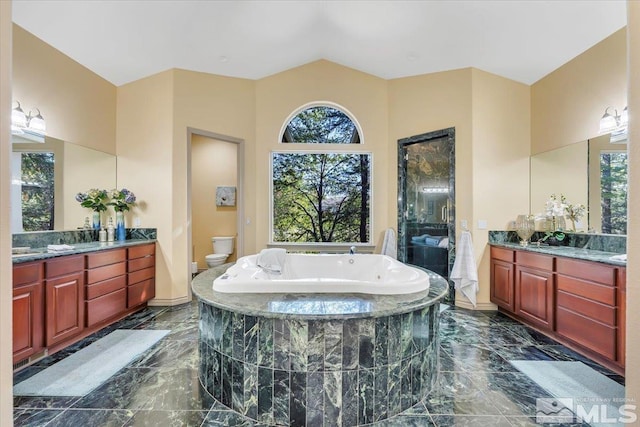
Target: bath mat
[575,383]
[88,368]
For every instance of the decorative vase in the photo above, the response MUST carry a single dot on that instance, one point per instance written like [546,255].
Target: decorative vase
[96,220]
[121,232]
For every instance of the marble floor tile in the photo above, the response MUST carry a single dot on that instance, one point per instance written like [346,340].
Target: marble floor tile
[477,386]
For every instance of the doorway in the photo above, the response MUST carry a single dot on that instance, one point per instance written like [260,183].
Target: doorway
[215,194]
[426,202]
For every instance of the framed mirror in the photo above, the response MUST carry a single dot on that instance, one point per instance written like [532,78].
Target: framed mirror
[45,177]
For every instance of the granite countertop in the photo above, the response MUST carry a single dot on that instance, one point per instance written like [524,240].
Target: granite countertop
[315,306]
[566,251]
[35,254]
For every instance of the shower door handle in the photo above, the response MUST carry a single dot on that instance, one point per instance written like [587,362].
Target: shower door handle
[444,213]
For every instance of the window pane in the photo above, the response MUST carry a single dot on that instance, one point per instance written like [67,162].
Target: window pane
[321,197]
[37,191]
[321,125]
[613,184]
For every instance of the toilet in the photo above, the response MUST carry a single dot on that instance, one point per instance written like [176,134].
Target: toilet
[222,248]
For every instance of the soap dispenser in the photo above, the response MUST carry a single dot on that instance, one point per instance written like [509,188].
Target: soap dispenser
[110,231]
[102,235]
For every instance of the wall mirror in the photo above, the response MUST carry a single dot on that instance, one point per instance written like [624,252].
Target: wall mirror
[592,173]
[45,177]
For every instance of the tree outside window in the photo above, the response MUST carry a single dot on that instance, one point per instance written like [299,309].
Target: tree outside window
[321,196]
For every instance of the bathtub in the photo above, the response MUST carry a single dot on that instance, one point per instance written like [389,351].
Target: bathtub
[325,273]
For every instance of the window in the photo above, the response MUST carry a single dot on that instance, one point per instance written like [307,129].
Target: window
[35,188]
[322,195]
[613,197]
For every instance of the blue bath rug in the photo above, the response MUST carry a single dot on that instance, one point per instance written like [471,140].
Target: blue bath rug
[88,368]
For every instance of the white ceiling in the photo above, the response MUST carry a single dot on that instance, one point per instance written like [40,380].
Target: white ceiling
[125,40]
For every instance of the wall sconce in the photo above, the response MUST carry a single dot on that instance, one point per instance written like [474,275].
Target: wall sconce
[615,124]
[30,126]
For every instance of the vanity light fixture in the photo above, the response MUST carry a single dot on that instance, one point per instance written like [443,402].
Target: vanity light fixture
[435,190]
[29,126]
[615,124]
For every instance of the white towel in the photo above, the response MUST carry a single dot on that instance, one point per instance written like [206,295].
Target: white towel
[59,248]
[389,244]
[272,260]
[464,273]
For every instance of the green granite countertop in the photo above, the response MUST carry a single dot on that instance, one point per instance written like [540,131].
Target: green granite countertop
[568,252]
[35,254]
[315,306]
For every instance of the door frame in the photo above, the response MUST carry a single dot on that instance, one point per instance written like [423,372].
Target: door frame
[449,135]
[239,191]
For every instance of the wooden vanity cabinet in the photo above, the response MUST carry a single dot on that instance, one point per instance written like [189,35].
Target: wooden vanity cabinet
[28,310]
[106,293]
[502,278]
[64,293]
[534,289]
[141,272]
[579,303]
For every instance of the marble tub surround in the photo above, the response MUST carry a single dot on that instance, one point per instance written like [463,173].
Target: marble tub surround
[40,239]
[589,247]
[40,253]
[328,359]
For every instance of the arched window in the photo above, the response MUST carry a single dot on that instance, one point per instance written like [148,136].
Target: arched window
[321,124]
[321,195]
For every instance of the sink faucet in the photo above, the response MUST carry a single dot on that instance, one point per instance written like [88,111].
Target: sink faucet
[352,250]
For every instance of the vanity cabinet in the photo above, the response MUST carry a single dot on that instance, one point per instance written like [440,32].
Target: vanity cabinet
[106,294]
[28,310]
[141,271]
[534,289]
[64,294]
[577,302]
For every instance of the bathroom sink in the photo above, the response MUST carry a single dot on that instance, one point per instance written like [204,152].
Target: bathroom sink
[23,251]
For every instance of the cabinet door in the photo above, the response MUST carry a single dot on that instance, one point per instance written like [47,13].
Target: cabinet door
[27,321]
[65,307]
[534,296]
[502,284]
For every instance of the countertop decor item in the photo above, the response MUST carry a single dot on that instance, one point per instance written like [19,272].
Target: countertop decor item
[525,227]
[96,200]
[121,200]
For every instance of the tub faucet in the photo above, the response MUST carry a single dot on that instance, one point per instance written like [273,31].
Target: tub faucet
[352,250]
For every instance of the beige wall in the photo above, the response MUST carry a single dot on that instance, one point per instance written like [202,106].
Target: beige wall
[362,95]
[633,238]
[6,319]
[78,105]
[213,164]
[500,163]
[566,105]
[145,166]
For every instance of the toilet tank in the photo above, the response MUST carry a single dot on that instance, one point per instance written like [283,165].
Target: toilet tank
[222,244]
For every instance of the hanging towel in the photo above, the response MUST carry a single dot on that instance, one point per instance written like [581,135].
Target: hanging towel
[389,244]
[464,273]
[272,260]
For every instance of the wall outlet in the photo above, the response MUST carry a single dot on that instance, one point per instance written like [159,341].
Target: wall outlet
[482,224]
[136,221]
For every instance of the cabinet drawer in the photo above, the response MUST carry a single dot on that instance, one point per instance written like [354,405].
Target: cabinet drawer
[25,274]
[99,259]
[140,292]
[106,272]
[142,250]
[140,275]
[140,263]
[542,262]
[586,332]
[591,309]
[106,306]
[590,290]
[106,286]
[64,265]
[591,271]
[502,254]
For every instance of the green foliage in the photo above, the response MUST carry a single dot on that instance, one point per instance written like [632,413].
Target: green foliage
[37,191]
[321,125]
[613,183]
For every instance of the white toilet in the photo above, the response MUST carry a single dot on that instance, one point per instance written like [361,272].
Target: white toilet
[222,248]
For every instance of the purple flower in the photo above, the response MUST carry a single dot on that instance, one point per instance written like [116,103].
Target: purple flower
[81,197]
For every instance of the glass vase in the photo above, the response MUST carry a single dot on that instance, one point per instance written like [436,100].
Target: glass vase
[96,220]
[121,232]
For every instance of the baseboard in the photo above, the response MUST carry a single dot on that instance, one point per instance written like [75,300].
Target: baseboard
[482,306]
[160,302]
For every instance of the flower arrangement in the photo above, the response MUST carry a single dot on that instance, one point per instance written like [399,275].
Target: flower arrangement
[121,200]
[560,207]
[94,199]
